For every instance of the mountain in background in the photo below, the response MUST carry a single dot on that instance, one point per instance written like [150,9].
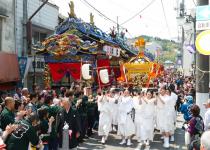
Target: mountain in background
[162,49]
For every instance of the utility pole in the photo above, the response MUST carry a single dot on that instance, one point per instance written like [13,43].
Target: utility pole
[182,48]
[202,79]
[24,34]
[25,18]
[28,28]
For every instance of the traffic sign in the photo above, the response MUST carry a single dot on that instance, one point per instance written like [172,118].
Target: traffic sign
[203,13]
[202,25]
[202,42]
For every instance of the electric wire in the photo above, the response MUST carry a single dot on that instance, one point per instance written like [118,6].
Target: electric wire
[102,14]
[165,18]
[131,18]
[194,2]
[99,12]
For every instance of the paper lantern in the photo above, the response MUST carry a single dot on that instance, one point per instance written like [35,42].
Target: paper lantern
[86,71]
[104,76]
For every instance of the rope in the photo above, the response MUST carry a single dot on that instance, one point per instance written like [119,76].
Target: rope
[203,71]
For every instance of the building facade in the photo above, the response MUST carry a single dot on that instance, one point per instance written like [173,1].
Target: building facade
[7,26]
[43,25]
[9,72]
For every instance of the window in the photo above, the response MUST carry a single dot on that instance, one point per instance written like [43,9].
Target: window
[39,64]
[38,37]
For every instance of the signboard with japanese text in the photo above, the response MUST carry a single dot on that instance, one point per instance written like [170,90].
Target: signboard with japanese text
[202,17]
[203,25]
[111,51]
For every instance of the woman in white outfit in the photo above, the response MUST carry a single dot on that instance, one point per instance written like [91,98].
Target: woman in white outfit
[147,125]
[137,104]
[104,118]
[160,109]
[126,127]
[171,112]
[113,99]
[166,121]
[174,97]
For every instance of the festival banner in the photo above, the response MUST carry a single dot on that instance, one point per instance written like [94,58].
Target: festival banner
[59,70]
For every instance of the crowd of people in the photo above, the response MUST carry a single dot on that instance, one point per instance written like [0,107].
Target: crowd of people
[61,119]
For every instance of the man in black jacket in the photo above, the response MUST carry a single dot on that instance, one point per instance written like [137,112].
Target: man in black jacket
[67,122]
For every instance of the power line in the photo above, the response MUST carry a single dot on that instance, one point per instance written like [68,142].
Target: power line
[99,11]
[194,2]
[101,14]
[138,13]
[165,18]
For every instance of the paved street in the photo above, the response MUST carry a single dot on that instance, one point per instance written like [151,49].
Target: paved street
[114,140]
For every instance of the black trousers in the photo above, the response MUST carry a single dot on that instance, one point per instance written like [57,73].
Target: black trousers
[91,120]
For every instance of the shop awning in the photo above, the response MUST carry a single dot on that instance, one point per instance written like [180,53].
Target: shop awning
[9,68]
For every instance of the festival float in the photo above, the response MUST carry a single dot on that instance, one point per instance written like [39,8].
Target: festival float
[83,52]
[140,71]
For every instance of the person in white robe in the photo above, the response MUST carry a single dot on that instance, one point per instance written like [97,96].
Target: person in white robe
[104,118]
[113,99]
[126,127]
[174,98]
[147,125]
[166,115]
[138,115]
[160,109]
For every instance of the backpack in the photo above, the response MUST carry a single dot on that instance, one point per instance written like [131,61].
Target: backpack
[195,141]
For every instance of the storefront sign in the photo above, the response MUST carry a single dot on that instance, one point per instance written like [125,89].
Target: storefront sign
[203,25]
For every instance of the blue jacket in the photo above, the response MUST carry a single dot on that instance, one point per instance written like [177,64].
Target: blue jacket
[185,108]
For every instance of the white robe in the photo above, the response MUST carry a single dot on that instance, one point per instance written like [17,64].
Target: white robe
[138,116]
[99,101]
[174,98]
[147,125]
[159,114]
[165,114]
[104,126]
[114,109]
[126,125]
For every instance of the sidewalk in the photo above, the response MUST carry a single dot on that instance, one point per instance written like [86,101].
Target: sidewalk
[93,143]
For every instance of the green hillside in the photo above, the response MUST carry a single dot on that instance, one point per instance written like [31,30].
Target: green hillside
[169,47]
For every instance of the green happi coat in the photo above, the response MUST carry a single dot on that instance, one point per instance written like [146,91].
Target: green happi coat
[7,117]
[20,138]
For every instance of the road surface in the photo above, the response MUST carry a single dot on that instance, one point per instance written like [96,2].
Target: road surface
[113,141]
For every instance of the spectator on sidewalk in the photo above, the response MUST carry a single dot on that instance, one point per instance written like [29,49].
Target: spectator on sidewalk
[25,95]
[205,144]
[25,133]
[18,94]
[185,108]
[195,128]
[7,116]
[32,104]
[207,116]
